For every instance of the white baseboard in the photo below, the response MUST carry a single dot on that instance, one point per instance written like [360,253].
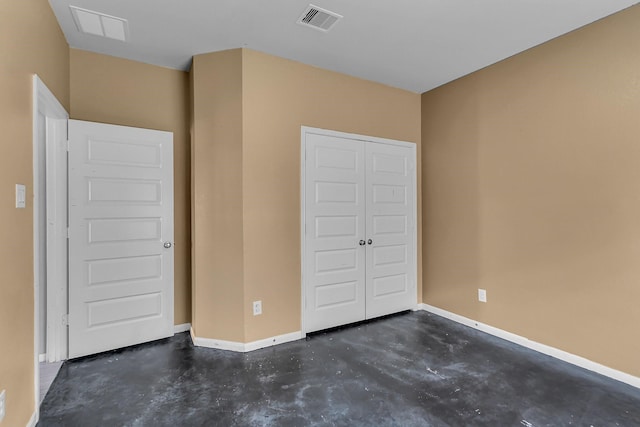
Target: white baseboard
[33,420]
[536,346]
[245,347]
[268,342]
[185,327]
[42,357]
[219,344]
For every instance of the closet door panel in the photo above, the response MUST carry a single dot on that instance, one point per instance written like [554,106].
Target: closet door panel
[390,225]
[334,265]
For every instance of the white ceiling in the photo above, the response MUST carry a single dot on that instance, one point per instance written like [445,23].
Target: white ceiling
[411,44]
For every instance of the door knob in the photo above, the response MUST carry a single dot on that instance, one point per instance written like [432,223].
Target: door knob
[369,241]
[362,242]
[167,245]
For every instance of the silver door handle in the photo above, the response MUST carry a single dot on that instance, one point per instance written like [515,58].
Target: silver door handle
[362,242]
[167,245]
[369,241]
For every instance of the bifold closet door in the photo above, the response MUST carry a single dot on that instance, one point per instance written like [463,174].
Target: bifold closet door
[334,291]
[390,228]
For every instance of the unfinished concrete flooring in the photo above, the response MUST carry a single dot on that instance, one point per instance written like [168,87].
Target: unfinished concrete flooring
[414,369]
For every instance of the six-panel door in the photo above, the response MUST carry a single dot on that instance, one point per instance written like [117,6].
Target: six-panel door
[120,219]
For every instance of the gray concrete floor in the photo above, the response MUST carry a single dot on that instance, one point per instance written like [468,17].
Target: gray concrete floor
[414,369]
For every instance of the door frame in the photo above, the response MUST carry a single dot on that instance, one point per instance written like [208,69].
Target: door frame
[45,103]
[304,131]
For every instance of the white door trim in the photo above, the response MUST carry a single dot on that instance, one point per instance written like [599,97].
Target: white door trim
[57,256]
[304,130]
[45,102]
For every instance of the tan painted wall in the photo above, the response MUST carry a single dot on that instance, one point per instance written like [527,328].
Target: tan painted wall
[118,91]
[30,42]
[531,180]
[217,190]
[248,110]
[280,96]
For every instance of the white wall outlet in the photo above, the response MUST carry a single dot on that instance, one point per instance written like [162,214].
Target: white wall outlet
[482,295]
[21,196]
[257,308]
[2,404]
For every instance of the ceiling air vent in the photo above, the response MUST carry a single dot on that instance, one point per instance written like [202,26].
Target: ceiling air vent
[99,24]
[318,18]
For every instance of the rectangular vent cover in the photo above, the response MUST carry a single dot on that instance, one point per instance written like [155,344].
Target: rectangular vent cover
[100,24]
[318,18]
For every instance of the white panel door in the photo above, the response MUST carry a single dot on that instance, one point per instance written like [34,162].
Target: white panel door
[390,224]
[359,236]
[334,264]
[120,236]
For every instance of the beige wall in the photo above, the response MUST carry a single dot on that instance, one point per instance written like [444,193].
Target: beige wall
[118,91]
[531,180]
[280,96]
[218,284]
[270,98]
[30,42]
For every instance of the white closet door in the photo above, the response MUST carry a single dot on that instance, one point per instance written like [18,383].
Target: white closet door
[334,270]
[120,236]
[390,225]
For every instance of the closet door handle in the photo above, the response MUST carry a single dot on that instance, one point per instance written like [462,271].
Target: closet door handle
[369,241]
[362,242]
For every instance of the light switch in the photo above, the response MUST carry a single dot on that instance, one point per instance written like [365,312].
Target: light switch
[21,195]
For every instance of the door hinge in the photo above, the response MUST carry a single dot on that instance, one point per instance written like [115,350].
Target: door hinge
[68,145]
[65,319]
[67,232]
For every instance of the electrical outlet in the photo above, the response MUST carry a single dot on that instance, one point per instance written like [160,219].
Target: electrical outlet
[257,308]
[2,404]
[482,295]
